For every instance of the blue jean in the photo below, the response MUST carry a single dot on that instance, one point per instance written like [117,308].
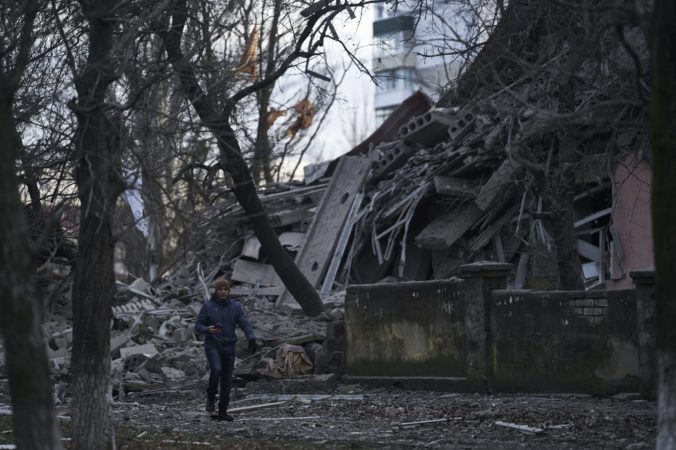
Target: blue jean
[222,363]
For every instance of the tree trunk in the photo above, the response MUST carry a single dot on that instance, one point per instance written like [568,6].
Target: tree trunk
[97,176]
[150,135]
[232,160]
[26,357]
[245,192]
[563,224]
[568,258]
[663,121]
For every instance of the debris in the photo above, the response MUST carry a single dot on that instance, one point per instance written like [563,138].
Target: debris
[117,342]
[328,222]
[290,360]
[247,63]
[141,287]
[428,129]
[448,228]
[272,116]
[147,350]
[457,187]
[305,112]
[422,422]
[496,184]
[274,419]
[252,247]
[259,406]
[255,273]
[310,397]
[522,428]
[391,158]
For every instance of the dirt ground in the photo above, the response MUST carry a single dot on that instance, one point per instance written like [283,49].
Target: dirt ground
[364,417]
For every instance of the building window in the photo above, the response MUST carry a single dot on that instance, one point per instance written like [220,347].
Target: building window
[393,44]
[393,25]
[401,78]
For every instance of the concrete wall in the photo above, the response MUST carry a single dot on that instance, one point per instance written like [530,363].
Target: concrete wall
[405,330]
[564,341]
[498,340]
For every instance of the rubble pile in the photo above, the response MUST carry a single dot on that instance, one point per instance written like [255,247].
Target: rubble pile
[153,344]
[463,177]
[460,185]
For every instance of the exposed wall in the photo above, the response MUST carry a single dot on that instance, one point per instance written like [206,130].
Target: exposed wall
[631,217]
[406,329]
[582,341]
[495,339]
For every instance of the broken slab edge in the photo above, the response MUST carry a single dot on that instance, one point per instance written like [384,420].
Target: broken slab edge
[484,269]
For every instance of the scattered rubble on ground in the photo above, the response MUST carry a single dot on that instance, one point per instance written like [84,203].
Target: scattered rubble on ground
[318,410]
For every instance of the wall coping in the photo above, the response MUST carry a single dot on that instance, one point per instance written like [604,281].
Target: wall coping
[557,294]
[643,276]
[421,283]
[484,269]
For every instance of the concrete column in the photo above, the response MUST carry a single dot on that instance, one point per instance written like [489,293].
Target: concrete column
[646,328]
[481,278]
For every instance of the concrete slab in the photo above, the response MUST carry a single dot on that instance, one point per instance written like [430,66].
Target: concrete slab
[147,350]
[255,273]
[328,222]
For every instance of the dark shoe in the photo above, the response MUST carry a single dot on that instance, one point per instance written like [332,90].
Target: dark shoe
[211,405]
[223,417]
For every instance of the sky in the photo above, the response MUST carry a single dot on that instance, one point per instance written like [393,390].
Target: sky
[351,119]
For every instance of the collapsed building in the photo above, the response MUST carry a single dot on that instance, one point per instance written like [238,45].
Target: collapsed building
[433,189]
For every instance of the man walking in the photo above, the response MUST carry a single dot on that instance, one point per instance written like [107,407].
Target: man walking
[217,319]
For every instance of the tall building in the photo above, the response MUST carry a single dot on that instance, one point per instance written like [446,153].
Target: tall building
[409,52]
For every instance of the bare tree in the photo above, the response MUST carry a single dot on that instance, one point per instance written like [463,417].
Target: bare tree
[99,180]
[33,415]
[216,107]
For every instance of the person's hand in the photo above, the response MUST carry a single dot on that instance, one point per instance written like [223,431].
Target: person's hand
[213,329]
[252,346]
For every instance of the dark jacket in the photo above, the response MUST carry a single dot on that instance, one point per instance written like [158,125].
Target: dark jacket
[224,314]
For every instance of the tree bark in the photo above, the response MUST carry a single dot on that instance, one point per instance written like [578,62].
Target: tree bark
[663,123]
[26,357]
[232,160]
[33,417]
[563,225]
[97,176]
[568,258]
